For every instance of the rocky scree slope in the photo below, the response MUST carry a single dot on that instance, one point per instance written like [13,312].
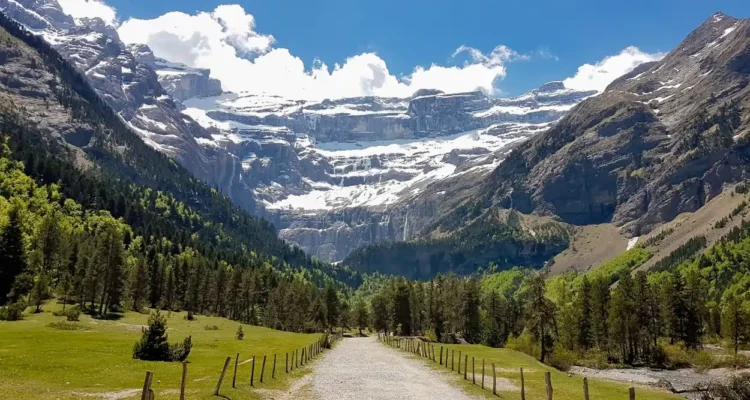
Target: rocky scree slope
[662,140]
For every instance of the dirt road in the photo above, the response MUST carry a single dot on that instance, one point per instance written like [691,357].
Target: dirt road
[362,368]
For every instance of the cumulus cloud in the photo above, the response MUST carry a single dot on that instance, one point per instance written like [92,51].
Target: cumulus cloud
[89,9]
[226,42]
[601,74]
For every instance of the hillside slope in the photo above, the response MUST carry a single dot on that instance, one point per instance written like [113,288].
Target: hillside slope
[66,133]
[663,140]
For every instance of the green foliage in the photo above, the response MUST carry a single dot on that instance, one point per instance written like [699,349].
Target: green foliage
[624,262]
[211,328]
[154,346]
[500,240]
[66,326]
[240,335]
[71,314]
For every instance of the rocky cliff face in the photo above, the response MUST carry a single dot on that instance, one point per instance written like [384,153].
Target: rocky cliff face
[129,83]
[660,141]
[338,174]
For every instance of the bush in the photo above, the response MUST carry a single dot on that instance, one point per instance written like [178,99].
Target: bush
[524,343]
[153,345]
[702,361]
[562,359]
[211,328]
[676,356]
[66,326]
[735,388]
[430,333]
[12,312]
[240,333]
[594,358]
[70,314]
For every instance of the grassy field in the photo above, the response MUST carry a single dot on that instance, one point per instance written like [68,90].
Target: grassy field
[507,364]
[41,362]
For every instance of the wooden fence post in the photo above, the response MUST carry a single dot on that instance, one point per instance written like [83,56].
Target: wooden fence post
[523,386]
[473,372]
[184,380]
[441,355]
[585,388]
[273,372]
[146,394]
[252,373]
[466,366]
[459,362]
[263,369]
[453,353]
[548,383]
[221,377]
[631,392]
[296,358]
[286,363]
[234,378]
[483,373]
[494,380]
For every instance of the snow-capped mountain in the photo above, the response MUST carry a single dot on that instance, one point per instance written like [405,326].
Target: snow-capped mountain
[332,175]
[338,174]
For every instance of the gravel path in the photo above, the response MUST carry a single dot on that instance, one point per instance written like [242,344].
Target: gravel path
[362,368]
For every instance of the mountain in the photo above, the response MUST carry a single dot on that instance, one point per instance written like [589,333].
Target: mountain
[68,135]
[132,81]
[334,175]
[662,140]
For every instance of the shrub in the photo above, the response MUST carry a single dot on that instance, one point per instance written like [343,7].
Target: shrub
[211,328]
[676,355]
[12,312]
[66,326]
[70,314]
[240,333]
[735,388]
[594,358]
[562,359]
[524,343]
[430,333]
[153,345]
[702,361]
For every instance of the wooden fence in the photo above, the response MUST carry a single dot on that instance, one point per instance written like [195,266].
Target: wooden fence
[300,357]
[428,350]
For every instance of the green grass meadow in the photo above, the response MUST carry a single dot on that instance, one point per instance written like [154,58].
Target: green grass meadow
[41,362]
[508,364]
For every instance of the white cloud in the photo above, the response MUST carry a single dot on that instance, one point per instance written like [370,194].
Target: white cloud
[226,42]
[601,74]
[89,9]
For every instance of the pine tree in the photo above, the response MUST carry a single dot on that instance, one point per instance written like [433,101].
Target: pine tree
[585,323]
[735,322]
[472,326]
[380,313]
[495,334]
[361,316]
[12,254]
[333,307]
[402,307]
[541,313]
[139,283]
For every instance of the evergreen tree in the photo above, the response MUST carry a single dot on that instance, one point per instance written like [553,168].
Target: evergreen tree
[380,313]
[541,313]
[472,326]
[735,322]
[12,254]
[585,323]
[361,316]
[333,307]
[496,333]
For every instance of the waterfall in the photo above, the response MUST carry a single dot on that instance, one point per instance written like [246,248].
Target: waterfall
[406,225]
[342,181]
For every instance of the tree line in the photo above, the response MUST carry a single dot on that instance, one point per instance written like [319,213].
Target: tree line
[661,318]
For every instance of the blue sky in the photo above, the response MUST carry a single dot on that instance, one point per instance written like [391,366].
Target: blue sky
[557,36]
